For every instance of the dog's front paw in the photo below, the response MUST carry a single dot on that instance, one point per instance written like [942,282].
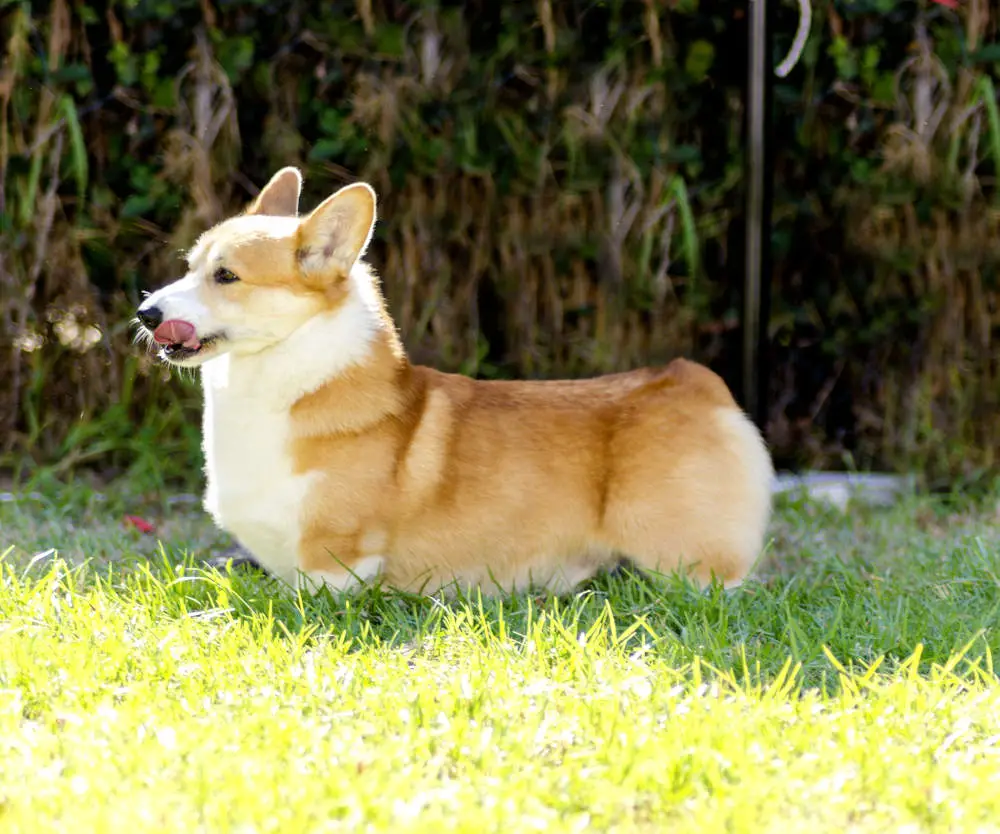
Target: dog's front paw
[235,558]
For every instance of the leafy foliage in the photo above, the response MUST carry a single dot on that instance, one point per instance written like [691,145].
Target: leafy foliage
[561,194]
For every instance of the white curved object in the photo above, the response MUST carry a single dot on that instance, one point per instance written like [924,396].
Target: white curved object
[799,43]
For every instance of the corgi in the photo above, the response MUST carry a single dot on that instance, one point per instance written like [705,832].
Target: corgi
[336,461]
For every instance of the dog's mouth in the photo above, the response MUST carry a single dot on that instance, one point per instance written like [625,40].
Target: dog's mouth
[178,340]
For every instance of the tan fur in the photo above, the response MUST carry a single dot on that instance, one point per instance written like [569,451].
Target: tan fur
[494,481]
[497,484]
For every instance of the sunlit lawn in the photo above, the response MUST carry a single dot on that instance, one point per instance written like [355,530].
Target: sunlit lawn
[849,687]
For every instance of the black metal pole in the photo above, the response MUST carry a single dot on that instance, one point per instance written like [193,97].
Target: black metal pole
[766,252]
[757,265]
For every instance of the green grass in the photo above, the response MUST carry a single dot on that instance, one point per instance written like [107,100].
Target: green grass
[849,686]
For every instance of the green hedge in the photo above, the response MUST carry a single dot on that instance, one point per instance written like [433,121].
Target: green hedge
[561,190]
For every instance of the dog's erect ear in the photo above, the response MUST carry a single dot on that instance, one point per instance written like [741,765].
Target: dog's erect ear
[337,232]
[280,197]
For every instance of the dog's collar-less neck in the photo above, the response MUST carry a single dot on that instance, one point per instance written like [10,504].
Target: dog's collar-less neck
[350,359]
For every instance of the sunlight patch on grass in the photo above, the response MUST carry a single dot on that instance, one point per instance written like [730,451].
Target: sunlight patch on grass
[849,686]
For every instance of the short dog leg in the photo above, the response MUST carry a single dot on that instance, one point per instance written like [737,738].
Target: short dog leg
[238,556]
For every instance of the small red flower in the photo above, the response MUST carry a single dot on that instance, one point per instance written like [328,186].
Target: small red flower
[140,524]
[951,4]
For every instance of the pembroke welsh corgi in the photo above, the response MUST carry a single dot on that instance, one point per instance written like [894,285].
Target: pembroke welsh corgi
[331,457]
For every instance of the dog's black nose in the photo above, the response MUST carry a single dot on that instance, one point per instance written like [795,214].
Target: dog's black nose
[151,317]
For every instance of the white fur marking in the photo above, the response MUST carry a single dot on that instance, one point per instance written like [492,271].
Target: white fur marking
[180,300]
[758,472]
[364,570]
[252,490]
[321,349]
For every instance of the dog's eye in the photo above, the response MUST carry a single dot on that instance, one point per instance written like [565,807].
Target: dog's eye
[224,276]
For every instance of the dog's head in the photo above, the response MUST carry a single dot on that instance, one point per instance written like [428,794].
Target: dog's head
[254,279]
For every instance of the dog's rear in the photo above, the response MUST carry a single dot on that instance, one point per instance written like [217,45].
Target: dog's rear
[690,478]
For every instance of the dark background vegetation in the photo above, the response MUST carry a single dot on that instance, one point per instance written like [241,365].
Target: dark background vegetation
[561,187]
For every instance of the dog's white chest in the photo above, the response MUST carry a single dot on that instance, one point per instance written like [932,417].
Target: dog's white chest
[252,491]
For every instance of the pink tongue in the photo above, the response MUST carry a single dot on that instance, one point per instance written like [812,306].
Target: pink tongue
[177,332]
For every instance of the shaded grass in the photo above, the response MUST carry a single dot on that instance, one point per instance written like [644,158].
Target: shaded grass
[850,683]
